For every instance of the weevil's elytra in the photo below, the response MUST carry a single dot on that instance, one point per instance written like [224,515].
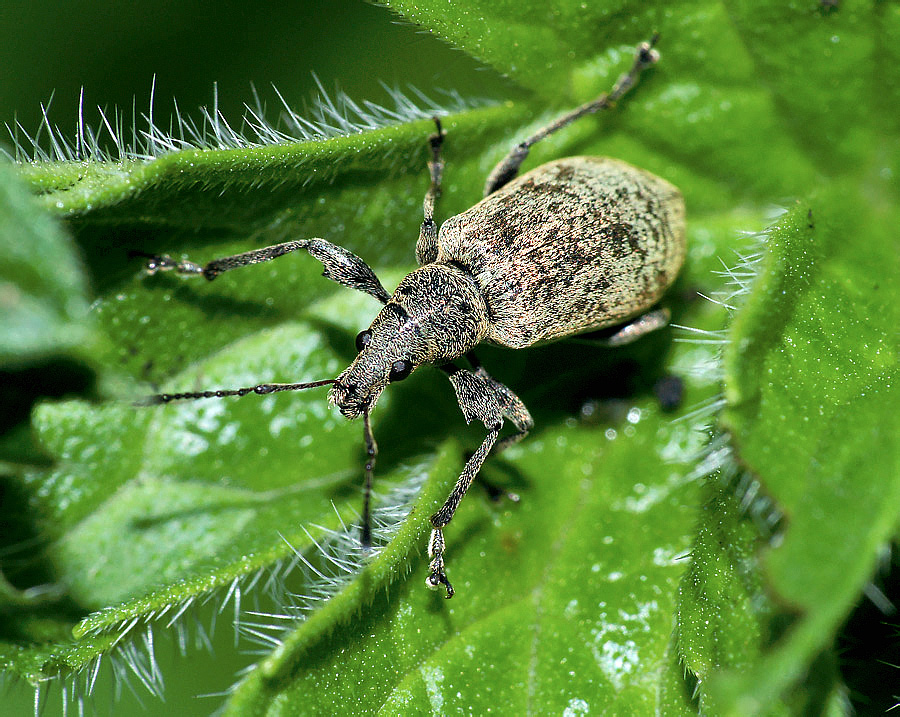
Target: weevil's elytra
[574,245]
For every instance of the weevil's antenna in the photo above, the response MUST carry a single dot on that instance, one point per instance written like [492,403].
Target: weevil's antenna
[262,389]
[371,452]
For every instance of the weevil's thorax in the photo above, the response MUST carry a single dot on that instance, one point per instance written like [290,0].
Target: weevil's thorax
[445,311]
[435,316]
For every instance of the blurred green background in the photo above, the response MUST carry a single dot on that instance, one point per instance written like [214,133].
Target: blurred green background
[113,51]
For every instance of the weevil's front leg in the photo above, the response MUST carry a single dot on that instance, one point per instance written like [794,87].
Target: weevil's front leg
[426,246]
[511,406]
[440,519]
[508,167]
[481,398]
[341,266]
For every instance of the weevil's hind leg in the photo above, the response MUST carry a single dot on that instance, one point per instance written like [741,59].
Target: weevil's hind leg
[426,246]
[481,398]
[341,266]
[507,169]
[630,332]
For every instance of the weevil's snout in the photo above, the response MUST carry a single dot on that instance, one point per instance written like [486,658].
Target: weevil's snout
[350,398]
[389,351]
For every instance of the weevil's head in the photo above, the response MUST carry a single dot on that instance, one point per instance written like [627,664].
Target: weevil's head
[435,316]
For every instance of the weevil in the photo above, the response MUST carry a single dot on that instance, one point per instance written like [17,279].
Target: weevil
[575,245]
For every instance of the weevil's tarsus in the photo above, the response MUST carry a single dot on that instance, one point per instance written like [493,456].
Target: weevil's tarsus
[341,266]
[507,169]
[426,246]
[163,262]
[438,578]
[260,389]
[371,454]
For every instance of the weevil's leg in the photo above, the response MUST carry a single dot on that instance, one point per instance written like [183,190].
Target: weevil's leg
[480,398]
[371,453]
[341,266]
[632,331]
[426,246]
[513,409]
[440,519]
[507,169]
[511,406]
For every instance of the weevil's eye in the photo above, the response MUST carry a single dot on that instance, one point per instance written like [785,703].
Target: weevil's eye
[400,370]
[362,339]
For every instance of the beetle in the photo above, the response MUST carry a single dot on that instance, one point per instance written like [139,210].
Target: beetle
[575,245]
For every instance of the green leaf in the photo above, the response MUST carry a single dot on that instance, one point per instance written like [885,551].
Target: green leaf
[43,309]
[209,188]
[46,334]
[722,611]
[574,586]
[813,395]
[566,601]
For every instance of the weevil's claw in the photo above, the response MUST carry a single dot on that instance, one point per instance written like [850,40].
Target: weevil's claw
[158,262]
[437,579]
[163,262]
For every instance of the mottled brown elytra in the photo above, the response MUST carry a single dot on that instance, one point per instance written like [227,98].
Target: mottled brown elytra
[575,245]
